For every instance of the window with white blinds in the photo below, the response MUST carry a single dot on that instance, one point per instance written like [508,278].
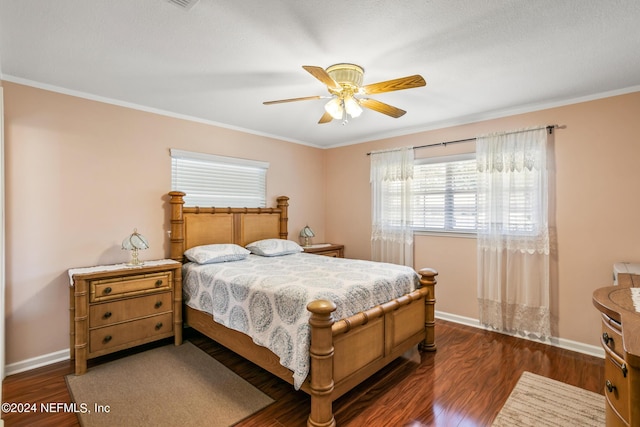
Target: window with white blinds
[444,194]
[519,212]
[217,181]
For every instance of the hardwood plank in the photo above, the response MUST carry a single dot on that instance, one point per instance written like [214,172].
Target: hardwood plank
[464,383]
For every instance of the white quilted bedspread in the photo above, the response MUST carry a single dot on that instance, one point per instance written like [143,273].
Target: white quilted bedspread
[266,297]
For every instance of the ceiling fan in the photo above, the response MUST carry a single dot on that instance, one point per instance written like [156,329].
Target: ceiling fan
[344,83]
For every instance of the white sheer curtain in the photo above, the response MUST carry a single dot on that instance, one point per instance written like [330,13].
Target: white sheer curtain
[513,232]
[391,228]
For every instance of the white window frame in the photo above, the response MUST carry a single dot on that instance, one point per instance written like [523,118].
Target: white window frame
[218,181]
[448,192]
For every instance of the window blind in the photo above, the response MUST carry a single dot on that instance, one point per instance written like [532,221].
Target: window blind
[218,181]
[444,192]
[519,212]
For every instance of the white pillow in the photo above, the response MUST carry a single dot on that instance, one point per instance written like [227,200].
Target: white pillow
[208,254]
[274,247]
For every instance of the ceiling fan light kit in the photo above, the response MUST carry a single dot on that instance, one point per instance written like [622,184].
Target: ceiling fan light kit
[344,83]
[352,107]
[334,108]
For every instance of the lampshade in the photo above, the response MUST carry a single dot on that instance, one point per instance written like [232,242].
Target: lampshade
[338,106]
[352,106]
[305,235]
[133,243]
[334,107]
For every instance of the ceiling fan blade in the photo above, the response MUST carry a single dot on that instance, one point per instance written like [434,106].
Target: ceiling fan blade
[381,107]
[396,84]
[306,98]
[320,74]
[326,118]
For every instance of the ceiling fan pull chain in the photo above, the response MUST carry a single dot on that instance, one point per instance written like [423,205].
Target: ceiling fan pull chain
[345,120]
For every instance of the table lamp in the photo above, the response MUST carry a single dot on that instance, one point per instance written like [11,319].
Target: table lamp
[305,236]
[133,243]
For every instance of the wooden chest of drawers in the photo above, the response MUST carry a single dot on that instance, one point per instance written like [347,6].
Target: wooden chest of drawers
[621,342]
[113,308]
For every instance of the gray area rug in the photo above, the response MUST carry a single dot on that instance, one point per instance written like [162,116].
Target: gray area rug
[539,401]
[165,386]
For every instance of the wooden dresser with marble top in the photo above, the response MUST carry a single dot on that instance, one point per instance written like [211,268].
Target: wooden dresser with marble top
[620,309]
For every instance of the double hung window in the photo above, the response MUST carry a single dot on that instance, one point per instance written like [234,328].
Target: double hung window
[444,194]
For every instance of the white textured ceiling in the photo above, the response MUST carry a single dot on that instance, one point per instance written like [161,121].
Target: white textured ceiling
[218,61]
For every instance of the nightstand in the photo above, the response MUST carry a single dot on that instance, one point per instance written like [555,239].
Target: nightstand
[115,307]
[327,249]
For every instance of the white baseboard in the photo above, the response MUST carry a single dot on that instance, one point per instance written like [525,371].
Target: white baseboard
[566,344]
[592,350]
[37,362]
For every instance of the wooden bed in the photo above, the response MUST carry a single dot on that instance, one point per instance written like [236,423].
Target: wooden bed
[343,352]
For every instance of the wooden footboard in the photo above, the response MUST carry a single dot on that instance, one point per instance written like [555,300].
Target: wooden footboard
[346,352]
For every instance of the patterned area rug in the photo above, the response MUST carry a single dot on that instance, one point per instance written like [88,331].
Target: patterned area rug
[165,386]
[540,402]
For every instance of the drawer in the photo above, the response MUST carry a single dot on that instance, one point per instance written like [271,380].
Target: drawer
[119,311]
[101,290]
[612,336]
[130,333]
[616,388]
[612,418]
[334,254]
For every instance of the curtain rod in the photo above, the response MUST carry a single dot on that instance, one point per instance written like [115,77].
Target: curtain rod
[549,128]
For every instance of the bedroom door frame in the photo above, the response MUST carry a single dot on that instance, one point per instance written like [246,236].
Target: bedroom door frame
[2,262]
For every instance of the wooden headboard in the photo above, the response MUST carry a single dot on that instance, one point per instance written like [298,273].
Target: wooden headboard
[195,226]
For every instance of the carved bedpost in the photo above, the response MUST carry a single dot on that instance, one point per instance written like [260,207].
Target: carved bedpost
[283,205]
[321,352]
[177,225]
[428,281]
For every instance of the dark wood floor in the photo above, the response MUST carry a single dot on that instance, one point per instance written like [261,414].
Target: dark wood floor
[464,383]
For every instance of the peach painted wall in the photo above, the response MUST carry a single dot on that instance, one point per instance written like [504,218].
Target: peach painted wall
[597,204]
[81,174]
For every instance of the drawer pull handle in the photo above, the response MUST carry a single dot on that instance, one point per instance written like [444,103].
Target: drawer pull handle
[622,366]
[606,338]
[158,304]
[107,338]
[158,326]
[107,315]
[158,282]
[610,387]
[107,290]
